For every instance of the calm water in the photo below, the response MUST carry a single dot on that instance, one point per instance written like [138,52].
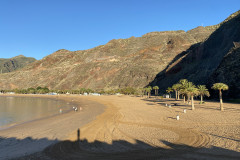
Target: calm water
[15,110]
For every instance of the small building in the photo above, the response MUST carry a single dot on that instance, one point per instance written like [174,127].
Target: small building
[166,96]
[10,92]
[95,94]
[52,93]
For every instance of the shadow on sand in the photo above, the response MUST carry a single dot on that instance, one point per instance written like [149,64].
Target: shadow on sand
[82,149]
[163,102]
[179,104]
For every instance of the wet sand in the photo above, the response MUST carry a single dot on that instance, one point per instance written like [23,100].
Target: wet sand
[139,128]
[34,136]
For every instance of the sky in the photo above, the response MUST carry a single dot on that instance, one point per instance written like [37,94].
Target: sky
[37,28]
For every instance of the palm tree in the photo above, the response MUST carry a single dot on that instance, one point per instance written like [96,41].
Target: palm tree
[220,87]
[184,93]
[141,91]
[203,91]
[148,90]
[192,91]
[183,87]
[176,88]
[169,90]
[156,88]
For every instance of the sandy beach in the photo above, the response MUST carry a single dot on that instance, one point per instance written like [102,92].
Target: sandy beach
[34,136]
[129,128]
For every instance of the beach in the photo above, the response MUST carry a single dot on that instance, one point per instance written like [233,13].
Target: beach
[129,127]
[34,136]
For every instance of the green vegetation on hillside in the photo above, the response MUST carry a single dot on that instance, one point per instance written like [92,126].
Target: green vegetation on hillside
[9,65]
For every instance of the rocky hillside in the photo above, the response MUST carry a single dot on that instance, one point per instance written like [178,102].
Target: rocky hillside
[200,55]
[119,63]
[208,58]
[9,65]
[229,72]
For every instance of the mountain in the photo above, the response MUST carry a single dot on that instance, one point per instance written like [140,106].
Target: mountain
[202,63]
[156,58]
[119,63]
[229,72]
[12,64]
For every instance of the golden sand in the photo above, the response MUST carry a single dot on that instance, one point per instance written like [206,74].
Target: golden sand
[139,128]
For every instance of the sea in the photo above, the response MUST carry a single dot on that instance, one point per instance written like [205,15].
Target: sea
[17,110]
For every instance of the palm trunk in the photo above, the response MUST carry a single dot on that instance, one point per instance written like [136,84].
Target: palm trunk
[221,101]
[192,103]
[188,99]
[201,99]
[170,95]
[157,92]
[149,94]
[183,98]
[176,94]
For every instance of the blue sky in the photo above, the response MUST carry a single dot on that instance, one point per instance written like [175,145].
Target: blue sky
[37,28]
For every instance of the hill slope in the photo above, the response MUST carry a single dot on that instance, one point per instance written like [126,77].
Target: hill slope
[9,65]
[202,60]
[134,62]
[229,72]
[120,63]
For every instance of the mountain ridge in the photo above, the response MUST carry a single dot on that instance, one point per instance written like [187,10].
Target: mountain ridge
[202,60]
[131,62]
[14,63]
[140,57]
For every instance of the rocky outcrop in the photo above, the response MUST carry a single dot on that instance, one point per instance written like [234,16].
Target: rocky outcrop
[12,64]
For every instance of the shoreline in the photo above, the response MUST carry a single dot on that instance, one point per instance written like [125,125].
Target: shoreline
[51,129]
[133,127]
[35,119]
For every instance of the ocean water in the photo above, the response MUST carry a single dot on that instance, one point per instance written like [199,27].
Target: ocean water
[16,110]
